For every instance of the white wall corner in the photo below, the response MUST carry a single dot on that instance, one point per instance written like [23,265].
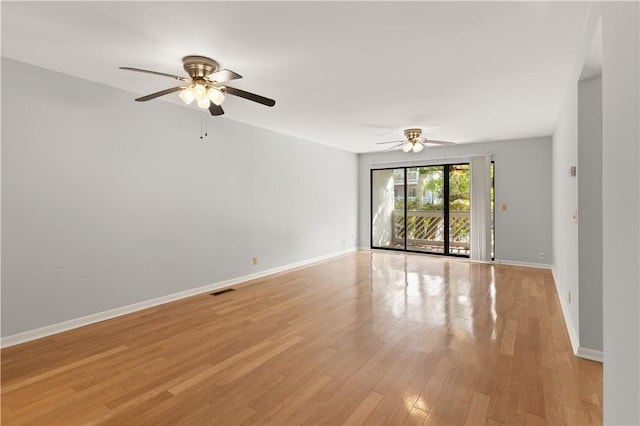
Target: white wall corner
[573,335]
[590,354]
[49,330]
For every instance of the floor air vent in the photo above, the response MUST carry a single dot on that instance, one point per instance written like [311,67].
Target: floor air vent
[218,293]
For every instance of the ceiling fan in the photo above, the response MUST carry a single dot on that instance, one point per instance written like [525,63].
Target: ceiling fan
[204,85]
[414,142]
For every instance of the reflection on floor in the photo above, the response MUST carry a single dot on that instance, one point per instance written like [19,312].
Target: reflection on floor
[430,248]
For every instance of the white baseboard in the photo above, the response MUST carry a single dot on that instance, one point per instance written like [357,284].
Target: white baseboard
[527,264]
[112,313]
[573,335]
[590,354]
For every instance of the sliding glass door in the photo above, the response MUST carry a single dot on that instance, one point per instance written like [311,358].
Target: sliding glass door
[458,208]
[387,208]
[421,209]
[426,220]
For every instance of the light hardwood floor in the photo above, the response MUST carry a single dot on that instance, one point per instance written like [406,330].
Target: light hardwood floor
[365,338]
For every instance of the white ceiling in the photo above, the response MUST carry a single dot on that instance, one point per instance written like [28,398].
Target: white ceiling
[344,74]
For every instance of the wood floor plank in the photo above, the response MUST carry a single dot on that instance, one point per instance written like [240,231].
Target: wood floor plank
[42,376]
[364,409]
[405,403]
[277,414]
[553,408]
[416,417]
[477,409]
[342,402]
[406,386]
[191,381]
[364,338]
[301,415]
[574,416]
[264,402]
[533,420]
[252,365]
[375,419]
[456,414]
[509,338]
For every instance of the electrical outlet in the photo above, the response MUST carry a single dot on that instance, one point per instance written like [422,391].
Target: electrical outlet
[255,260]
[554,259]
[543,255]
[569,297]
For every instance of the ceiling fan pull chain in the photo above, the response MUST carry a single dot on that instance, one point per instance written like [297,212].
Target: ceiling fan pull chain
[203,125]
[201,115]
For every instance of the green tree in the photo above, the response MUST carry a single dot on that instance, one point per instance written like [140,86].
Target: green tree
[435,184]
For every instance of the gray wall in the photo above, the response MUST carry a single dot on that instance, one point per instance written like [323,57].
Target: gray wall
[565,202]
[522,181]
[590,208]
[620,205]
[108,202]
[621,226]
[577,141]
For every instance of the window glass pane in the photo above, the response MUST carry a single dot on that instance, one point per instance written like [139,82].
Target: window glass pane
[387,214]
[425,215]
[459,206]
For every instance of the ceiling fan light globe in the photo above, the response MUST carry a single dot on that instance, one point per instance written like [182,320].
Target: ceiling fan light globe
[203,103]
[215,96]
[407,146]
[186,95]
[199,92]
[417,147]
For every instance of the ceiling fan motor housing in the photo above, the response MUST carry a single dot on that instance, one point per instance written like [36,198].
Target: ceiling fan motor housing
[199,67]
[412,134]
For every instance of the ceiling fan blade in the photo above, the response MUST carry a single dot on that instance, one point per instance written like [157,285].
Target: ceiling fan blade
[223,75]
[158,94]
[430,141]
[394,147]
[215,109]
[250,96]
[382,143]
[177,77]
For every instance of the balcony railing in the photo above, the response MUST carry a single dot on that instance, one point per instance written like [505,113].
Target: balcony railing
[425,230]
